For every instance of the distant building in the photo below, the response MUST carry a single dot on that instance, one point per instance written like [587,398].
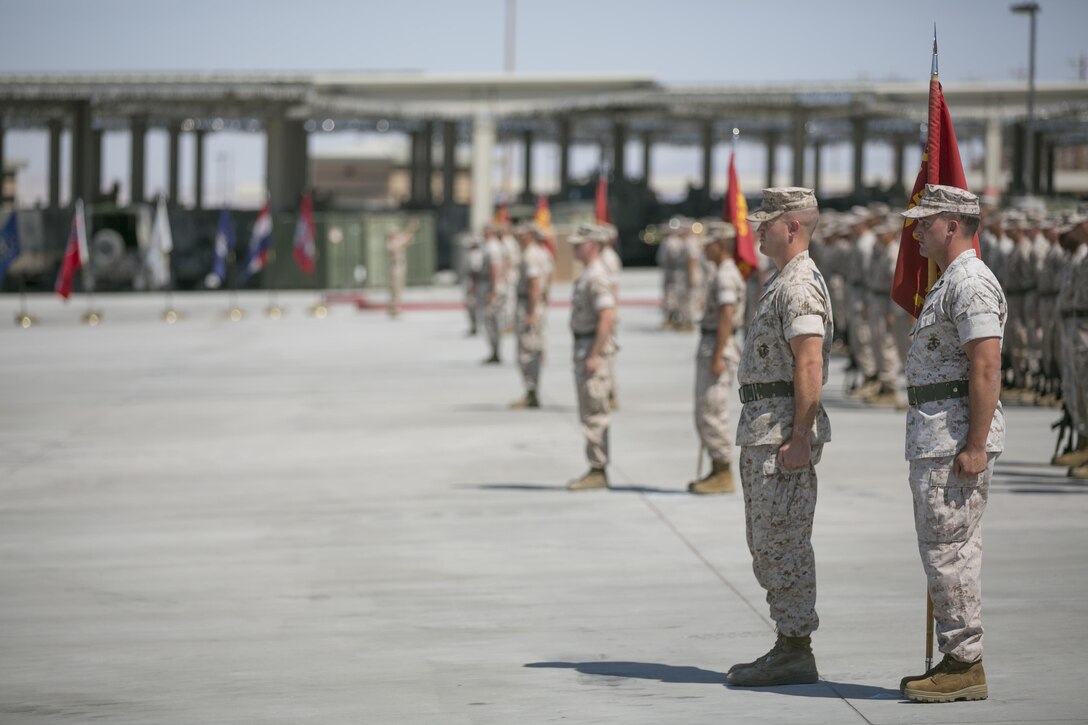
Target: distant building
[364,178]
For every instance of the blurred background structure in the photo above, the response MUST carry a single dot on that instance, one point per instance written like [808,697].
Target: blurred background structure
[448,147]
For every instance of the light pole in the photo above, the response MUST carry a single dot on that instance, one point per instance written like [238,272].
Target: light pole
[1031,9]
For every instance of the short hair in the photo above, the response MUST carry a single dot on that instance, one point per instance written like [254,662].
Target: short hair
[969,222]
[808,219]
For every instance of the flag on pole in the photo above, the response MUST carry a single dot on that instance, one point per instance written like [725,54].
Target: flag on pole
[543,219]
[9,245]
[224,245]
[75,254]
[162,243]
[260,241]
[305,247]
[914,274]
[735,211]
[600,201]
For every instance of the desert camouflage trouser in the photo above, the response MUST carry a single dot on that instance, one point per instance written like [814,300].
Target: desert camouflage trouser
[861,334]
[494,317]
[778,511]
[531,343]
[593,400]
[948,519]
[885,349]
[1074,349]
[712,400]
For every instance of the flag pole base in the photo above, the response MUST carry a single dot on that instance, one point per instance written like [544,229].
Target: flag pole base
[170,316]
[25,321]
[274,312]
[92,318]
[234,314]
[319,311]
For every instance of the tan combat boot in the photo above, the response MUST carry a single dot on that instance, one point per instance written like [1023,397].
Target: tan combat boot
[882,396]
[1075,457]
[1079,472]
[529,401]
[594,478]
[719,480]
[790,662]
[949,681]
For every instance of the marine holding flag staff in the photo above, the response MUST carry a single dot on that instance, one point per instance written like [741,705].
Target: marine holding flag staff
[782,430]
[955,431]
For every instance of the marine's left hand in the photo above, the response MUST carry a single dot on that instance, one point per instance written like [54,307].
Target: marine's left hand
[796,453]
[969,463]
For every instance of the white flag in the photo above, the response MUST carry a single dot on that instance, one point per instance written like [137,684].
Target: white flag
[162,243]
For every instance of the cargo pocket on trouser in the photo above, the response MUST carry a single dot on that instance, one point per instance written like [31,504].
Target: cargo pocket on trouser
[953,505]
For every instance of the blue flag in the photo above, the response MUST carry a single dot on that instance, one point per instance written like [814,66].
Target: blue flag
[9,245]
[224,245]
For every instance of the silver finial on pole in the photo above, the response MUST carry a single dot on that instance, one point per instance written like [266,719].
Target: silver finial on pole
[933,70]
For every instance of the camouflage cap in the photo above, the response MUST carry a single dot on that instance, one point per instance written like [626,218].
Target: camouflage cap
[781,199]
[717,231]
[594,232]
[575,238]
[938,198]
[1070,221]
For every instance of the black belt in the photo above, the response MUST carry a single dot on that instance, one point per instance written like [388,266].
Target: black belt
[918,394]
[714,333]
[1067,314]
[759,391]
[585,335]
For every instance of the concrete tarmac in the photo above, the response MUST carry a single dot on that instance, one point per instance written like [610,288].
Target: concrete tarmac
[340,521]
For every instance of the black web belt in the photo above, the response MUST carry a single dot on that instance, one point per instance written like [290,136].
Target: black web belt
[918,394]
[759,391]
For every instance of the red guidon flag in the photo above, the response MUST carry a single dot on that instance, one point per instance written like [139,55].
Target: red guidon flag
[543,219]
[305,246]
[735,211]
[600,201]
[914,274]
[75,254]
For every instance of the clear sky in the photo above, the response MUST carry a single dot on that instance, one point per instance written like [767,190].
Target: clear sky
[674,41]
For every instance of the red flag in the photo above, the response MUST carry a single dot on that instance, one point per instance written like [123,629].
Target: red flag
[543,219]
[914,274]
[600,205]
[305,248]
[735,211]
[75,254]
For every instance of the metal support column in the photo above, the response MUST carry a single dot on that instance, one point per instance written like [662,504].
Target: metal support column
[707,133]
[817,165]
[772,146]
[449,161]
[137,160]
[647,147]
[287,162]
[858,139]
[799,133]
[992,159]
[426,162]
[527,142]
[54,163]
[564,154]
[173,170]
[198,168]
[483,148]
[619,151]
[83,186]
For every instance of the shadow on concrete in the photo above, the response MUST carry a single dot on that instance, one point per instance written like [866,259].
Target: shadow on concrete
[505,408]
[698,676]
[829,689]
[563,488]
[640,671]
